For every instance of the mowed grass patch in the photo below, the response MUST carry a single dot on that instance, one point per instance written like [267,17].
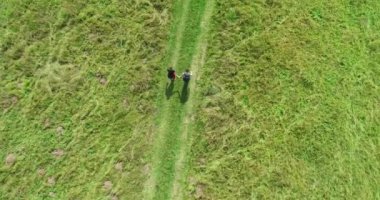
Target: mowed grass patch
[290,102]
[78,86]
[183,41]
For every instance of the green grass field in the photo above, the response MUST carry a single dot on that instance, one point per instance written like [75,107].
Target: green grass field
[284,102]
[78,82]
[290,106]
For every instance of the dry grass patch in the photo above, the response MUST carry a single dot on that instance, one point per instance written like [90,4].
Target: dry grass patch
[41,172]
[51,181]
[10,159]
[58,153]
[119,166]
[107,185]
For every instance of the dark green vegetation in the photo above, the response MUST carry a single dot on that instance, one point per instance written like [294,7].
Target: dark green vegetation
[290,105]
[78,82]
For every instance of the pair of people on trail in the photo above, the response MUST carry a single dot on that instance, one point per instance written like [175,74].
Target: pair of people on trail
[185,75]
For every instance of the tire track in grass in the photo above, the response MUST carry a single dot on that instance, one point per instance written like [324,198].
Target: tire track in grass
[197,62]
[171,136]
[175,44]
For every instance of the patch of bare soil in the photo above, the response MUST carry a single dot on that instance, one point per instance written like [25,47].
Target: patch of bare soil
[202,161]
[60,130]
[119,166]
[114,197]
[51,181]
[102,79]
[46,124]
[7,102]
[10,159]
[199,191]
[107,185]
[14,100]
[199,188]
[126,102]
[192,181]
[41,172]
[146,169]
[58,153]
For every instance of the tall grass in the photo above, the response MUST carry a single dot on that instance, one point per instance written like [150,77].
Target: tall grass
[290,102]
[78,85]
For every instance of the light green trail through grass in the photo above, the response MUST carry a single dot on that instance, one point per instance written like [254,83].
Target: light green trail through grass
[176,36]
[186,47]
[197,62]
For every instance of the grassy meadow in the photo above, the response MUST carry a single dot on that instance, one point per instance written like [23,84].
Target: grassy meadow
[289,102]
[284,102]
[78,85]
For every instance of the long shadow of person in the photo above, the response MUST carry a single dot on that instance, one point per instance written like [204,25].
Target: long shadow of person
[185,92]
[169,89]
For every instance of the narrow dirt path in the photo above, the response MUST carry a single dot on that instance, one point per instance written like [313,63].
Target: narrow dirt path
[187,47]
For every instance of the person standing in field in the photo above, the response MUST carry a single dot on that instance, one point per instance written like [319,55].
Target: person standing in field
[170,85]
[171,74]
[184,95]
[186,76]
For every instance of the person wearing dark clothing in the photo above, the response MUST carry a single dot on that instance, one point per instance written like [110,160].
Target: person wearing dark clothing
[184,95]
[171,74]
[186,76]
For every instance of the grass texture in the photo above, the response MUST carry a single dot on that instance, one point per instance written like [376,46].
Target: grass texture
[78,81]
[289,102]
[286,103]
